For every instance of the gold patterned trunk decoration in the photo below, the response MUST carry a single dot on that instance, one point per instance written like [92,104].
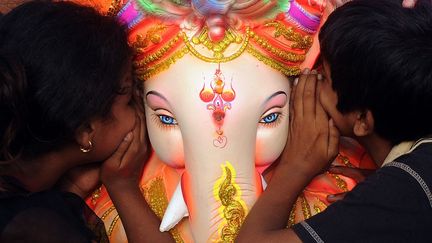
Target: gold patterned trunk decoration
[233,209]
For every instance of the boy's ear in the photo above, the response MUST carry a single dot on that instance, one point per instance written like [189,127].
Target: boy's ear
[363,124]
[85,134]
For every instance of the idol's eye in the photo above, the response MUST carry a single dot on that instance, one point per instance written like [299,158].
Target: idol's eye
[167,120]
[270,118]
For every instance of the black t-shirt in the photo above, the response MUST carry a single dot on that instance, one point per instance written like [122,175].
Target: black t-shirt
[393,205]
[45,217]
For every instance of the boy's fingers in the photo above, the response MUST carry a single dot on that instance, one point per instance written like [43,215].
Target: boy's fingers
[122,148]
[137,129]
[298,95]
[333,140]
[135,144]
[139,123]
[322,121]
[309,96]
[142,127]
[321,115]
[291,98]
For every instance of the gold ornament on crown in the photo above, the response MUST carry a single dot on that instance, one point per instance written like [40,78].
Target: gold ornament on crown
[278,33]
[229,48]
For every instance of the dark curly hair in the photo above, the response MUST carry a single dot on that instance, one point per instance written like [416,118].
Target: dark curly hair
[61,65]
[380,58]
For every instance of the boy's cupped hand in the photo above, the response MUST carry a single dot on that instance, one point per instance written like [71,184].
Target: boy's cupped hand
[313,138]
[125,166]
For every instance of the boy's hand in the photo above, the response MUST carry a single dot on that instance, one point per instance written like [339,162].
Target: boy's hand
[313,139]
[126,164]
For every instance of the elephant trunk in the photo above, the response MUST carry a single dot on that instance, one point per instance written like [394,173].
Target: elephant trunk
[220,186]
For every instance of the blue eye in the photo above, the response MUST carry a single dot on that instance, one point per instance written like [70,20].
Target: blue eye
[167,120]
[270,118]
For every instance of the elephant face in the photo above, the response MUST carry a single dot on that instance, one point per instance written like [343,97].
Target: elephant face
[222,124]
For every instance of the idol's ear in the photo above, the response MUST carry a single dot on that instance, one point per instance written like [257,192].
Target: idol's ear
[364,123]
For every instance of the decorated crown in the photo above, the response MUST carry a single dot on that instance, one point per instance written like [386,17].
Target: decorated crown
[278,33]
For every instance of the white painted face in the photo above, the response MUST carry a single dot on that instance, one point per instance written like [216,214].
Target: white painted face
[179,121]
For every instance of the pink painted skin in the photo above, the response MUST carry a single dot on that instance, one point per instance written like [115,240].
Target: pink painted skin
[277,100]
[163,109]
[273,105]
[156,101]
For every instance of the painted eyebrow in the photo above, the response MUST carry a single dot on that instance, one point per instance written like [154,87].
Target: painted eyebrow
[153,92]
[157,94]
[275,94]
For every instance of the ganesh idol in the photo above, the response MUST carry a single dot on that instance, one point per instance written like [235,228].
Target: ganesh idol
[217,79]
